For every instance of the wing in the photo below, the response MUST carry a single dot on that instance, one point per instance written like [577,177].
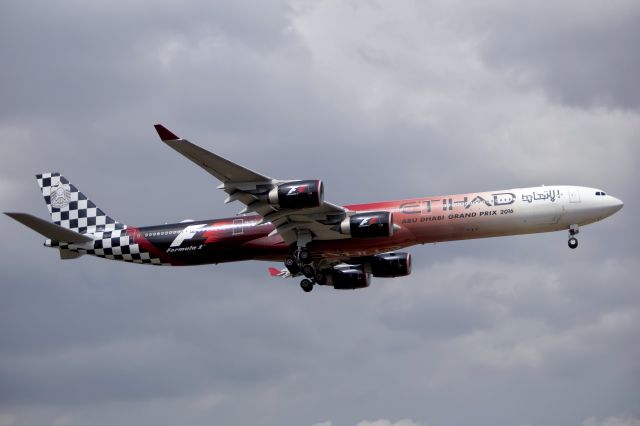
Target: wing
[253,189]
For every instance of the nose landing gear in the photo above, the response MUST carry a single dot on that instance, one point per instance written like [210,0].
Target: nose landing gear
[573,241]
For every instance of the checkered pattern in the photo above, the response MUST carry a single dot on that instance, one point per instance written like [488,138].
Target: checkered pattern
[114,245]
[117,245]
[70,208]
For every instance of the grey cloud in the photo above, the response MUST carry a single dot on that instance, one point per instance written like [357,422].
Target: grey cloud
[583,55]
[612,421]
[379,100]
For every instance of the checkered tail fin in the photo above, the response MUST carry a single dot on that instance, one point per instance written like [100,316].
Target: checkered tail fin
[70,208]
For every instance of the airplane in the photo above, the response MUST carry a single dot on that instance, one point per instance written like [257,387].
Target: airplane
[289,221]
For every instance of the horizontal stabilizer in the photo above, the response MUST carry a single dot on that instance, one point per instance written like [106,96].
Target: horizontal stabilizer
[48,229]
[284,273]
[68,254]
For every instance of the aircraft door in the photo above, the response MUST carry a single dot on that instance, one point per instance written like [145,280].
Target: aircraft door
[238,226]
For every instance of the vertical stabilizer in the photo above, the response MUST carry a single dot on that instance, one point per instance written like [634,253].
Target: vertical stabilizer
[70,208]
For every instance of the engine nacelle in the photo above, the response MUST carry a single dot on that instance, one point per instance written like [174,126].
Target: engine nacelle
[368,225]
[300,194]
[389,265]
[349,277]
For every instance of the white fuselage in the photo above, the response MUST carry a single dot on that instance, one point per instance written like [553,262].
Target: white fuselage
[496,213]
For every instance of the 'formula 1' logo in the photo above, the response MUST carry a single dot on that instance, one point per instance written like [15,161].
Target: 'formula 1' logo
[368,221]
[301,189]
[186,234]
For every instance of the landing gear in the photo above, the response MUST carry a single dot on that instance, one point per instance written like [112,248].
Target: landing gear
[307,285]
[304,255]
[573,241]
[292,265]
[315,276]
[308,271]
[320,278]
[302,261]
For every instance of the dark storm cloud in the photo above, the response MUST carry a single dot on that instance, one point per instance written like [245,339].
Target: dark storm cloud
[381,101]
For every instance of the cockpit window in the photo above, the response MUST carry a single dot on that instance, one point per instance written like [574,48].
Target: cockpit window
[600,193]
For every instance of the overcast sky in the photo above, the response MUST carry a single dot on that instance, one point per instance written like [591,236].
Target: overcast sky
[381,100]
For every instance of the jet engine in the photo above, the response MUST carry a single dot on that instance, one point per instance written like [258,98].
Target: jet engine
[368,225]
[349,277]
[390,265]
[300,194]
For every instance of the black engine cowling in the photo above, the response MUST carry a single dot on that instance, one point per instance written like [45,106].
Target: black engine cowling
[368,225]
[300,194]
[349,277]
[389,265]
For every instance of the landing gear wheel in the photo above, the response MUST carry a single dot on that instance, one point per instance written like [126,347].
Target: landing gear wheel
[306,285]
[308,271]
[320,278]
[573,242]
[304,256]
[291,264]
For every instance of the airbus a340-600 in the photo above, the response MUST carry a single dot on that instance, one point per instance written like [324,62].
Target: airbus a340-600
[290,221]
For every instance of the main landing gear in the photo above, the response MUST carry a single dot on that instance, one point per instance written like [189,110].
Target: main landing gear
[301,262]
[318,277]
[298,261]
[307,285]
[573,241]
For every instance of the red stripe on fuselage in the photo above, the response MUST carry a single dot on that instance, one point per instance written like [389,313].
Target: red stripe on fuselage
[218,231]
[138,238]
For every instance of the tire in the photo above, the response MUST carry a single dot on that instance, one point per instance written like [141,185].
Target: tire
[305,256]
[291,264]
[308,271]
[306,285]
[573,243]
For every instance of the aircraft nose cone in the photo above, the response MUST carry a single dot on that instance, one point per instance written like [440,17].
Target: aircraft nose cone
[619,204]
[616,204]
